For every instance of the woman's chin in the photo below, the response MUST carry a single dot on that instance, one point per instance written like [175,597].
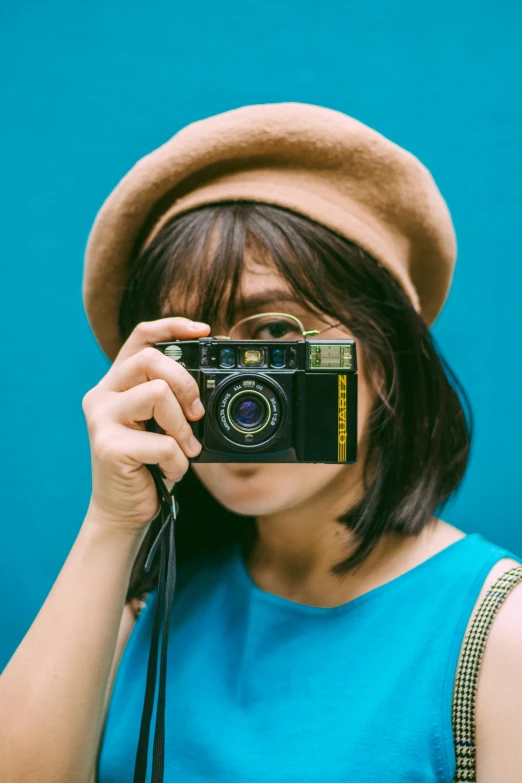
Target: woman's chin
[248,489]
[258,489]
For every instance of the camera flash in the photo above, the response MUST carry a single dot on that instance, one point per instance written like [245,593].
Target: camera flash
[331,356]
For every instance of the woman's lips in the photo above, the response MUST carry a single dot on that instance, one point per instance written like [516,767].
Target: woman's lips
[240,469]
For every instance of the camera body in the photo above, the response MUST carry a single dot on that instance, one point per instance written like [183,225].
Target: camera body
[272,401]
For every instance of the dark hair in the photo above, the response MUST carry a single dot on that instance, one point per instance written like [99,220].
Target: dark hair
[419,435]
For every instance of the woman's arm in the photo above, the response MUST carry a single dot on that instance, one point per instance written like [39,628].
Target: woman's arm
[52,690]
[499,694]
[128,620]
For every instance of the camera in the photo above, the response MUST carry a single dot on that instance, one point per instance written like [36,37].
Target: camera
[272,401]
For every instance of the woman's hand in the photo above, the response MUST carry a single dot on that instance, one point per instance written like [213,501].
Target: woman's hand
[141,384]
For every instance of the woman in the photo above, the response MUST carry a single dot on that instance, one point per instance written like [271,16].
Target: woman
[320,609]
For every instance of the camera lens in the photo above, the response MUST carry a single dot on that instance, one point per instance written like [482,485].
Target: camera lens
[278,357]
[227,357]
[248,412]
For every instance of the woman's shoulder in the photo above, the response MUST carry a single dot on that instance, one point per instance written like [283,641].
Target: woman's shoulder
[506,560]
[499,692]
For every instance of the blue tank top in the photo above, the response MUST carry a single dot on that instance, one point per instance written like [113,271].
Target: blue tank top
[262,689]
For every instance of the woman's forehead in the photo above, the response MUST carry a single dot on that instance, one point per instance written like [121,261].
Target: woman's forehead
[222,297]
[250,299]
[260,274]
[259,284]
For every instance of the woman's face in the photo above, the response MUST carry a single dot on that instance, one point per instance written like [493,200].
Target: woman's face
[259,489]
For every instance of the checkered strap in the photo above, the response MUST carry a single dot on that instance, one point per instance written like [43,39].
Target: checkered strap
[464,695]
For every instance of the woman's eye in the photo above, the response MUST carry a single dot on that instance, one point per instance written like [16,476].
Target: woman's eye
[277,330]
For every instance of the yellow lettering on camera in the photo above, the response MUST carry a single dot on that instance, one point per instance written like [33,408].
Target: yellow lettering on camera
[341,418]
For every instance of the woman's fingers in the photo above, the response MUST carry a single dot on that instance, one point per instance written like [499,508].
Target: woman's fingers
[147,333]
[136,448]
[153,399]
[149,365]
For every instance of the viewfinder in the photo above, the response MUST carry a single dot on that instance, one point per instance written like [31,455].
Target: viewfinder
[252,357]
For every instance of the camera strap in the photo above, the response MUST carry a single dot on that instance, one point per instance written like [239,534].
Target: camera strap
[165,541]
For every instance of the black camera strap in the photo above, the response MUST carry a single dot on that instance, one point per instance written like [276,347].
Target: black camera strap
[165,538]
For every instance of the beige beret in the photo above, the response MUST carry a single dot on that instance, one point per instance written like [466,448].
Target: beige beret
[316,161]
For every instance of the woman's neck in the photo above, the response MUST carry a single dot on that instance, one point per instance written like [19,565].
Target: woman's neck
[295,549]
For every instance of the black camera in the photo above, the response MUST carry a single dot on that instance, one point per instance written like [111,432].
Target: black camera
[272,401]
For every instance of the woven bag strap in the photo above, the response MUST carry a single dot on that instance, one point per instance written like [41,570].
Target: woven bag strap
[464,694]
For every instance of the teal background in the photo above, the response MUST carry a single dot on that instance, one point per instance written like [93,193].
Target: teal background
[88,89]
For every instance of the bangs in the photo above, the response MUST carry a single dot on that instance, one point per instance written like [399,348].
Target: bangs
[209,247]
